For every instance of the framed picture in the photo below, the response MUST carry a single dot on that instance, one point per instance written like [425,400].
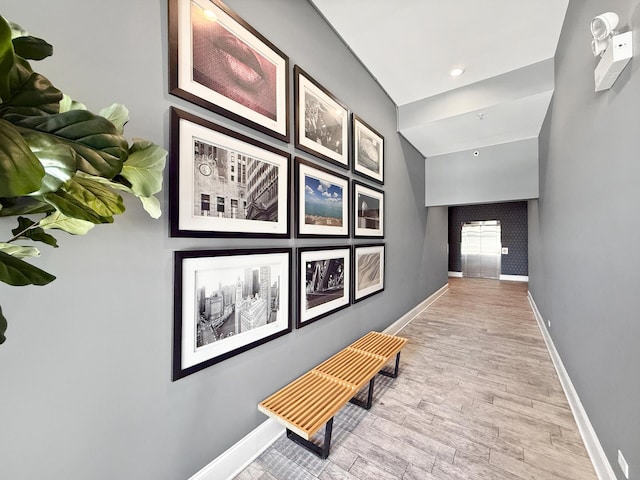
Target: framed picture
[324,285]
[227,302]
[368,211]
[219,62]
[368,270]
[322,201]
[322,122]
[225,184]
[368,151]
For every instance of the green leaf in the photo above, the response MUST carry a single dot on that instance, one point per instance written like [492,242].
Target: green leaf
[58,159]
[23,206]
[26,230]
[30,94]
[32,48]
[144,167]
[16,272]
[3,327]
[67,104]
[20,170]
[59,221]
[116,114]
[152,206]
[101,151]
[98,197]
[19,251]
[73,207]
[7,59]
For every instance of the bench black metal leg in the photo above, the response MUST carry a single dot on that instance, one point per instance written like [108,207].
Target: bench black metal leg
[366,405]
[321,451]
[393,374]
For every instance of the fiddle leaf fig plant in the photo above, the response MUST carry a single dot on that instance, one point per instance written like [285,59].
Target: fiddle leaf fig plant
[61,166]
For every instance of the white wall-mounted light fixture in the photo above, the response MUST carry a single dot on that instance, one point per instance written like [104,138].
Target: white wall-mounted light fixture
[614,48]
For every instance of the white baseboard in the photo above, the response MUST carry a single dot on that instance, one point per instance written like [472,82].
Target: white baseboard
[240,455]
[406,319]
[515,278]
[591,442]
[455,274]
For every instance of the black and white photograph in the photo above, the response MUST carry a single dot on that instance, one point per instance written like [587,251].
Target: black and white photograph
[324,285]
[368,151]
[368,211]
[225,184]
[228,301]
[368,270]
[219,62]
[322,122]
[322,201]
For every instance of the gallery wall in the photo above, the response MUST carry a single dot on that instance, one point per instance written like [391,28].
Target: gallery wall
[514,233]
[584,231]
[86,369]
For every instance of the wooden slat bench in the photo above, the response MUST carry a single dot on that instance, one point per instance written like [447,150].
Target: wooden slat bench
[313,399]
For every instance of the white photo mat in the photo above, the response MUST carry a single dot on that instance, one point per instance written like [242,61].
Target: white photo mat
[368,262]
[193,355]
[364,227]
[363,133]
[187,220]
[306,170]
[185,56]
[308,87]
[308,255]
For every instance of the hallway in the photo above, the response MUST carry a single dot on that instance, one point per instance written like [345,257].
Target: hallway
[477,398]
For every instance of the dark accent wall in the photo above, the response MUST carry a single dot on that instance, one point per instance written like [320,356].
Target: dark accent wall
[513,225]
[85,374]
[584,230]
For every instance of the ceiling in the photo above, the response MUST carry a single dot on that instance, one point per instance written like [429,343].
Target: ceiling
[409,46]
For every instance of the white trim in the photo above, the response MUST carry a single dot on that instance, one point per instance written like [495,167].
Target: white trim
[455,274]
[406,319]
[515,278]
[239,456]
[591,442]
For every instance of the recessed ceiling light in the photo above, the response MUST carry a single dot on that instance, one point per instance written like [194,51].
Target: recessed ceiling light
[456,72]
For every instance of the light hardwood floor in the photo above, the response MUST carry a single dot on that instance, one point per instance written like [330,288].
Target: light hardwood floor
[477,398]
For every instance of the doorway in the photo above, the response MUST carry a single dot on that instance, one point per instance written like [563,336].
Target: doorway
[480,249]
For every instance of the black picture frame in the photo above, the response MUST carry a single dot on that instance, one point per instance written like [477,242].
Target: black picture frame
[322,201]
[368,211]
[368,150]
[223,183]
[211,324]
[321,121]
[324,283]
[220,62]
[368,263]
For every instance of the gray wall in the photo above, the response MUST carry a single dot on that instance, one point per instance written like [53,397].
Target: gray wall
[584,230]
[499,173]
[86,390]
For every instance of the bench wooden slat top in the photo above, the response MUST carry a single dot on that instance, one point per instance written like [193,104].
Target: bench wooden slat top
[380,344]
[309,402]
[352,366]
[296,405]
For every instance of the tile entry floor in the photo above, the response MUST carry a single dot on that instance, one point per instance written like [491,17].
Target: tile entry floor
[477,398]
